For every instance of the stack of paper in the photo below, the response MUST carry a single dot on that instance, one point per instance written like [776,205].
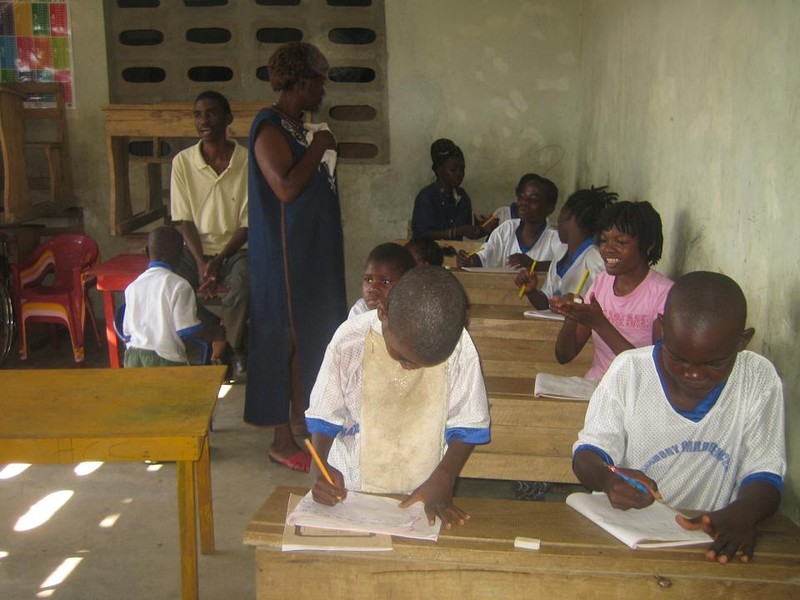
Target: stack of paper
[650,527]
[366,513]
[298,537]
[564,388]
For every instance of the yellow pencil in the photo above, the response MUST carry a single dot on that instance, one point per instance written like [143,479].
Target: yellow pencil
[582,282]
[522,287]
[320,464]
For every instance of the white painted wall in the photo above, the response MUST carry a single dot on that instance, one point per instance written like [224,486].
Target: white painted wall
[693,105]
[499,78]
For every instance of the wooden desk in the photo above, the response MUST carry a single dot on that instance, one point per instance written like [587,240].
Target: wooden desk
[114,276]
[69,416]
[577,560]
[512,345]
[494,288]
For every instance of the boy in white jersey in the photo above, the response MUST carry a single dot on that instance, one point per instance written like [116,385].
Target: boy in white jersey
[695,417]
[399,401]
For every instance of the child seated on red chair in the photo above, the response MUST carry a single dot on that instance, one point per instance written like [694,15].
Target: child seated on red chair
[161,308]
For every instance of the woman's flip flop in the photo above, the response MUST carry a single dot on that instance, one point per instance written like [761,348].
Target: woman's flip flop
[299,461]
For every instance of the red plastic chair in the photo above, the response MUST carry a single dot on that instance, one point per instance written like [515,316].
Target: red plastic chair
[50,287]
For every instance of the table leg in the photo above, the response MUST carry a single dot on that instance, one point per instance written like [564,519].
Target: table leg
[111,336]
[187,526]
[203,469]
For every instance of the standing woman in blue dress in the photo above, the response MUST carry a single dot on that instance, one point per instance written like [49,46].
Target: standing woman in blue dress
[296,251]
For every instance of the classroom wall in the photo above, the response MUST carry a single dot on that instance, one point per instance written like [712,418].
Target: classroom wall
[693,105]
[499,78]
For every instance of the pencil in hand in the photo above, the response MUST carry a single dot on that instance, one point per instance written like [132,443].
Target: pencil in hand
[523,286]
[638,485]
[320,464]
[582,282]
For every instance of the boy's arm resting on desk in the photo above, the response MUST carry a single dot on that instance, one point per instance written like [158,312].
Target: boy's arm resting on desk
[437,491]
[734,527]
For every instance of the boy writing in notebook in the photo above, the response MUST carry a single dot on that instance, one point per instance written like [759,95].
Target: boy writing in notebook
[399,401]
[696,418]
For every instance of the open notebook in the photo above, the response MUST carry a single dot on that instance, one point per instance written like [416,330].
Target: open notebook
[651,527]
[366,513]
[300,537]
[564,388]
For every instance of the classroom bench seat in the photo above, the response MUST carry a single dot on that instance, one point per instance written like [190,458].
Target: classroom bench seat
[532,437]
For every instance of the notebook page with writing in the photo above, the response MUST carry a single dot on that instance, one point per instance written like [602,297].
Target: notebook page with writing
[650,527]
[366,512]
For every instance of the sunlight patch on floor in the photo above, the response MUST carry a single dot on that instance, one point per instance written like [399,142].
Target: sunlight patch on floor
[88,467]
[12,470]
[110,520]
[59,574]
[43,510]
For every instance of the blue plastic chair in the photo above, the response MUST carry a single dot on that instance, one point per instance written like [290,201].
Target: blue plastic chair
[202,345]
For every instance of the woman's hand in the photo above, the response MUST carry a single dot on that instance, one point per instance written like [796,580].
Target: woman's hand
[325,138]
[577,309]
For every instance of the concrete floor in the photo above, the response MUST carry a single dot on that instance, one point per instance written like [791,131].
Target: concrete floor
[137,556]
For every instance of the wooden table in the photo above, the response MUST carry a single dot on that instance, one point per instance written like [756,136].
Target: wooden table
[113,415]
[114,276]
[577,559]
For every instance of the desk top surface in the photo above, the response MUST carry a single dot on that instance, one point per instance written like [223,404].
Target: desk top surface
[568,541]
[118,272]
[105,403]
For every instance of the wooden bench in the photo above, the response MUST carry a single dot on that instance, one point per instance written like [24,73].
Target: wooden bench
[531,437]
[577,559]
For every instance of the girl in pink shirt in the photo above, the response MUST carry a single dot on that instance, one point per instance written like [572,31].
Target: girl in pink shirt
[623,304]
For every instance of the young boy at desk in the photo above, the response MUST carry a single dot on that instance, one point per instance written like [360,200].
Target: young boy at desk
[385,265]
[400,401]
[161,308]
[696,418]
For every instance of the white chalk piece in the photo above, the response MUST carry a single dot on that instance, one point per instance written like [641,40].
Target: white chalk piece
[577,300]
[527,543]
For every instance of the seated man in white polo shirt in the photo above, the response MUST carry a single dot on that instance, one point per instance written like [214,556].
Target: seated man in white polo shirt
[208,192]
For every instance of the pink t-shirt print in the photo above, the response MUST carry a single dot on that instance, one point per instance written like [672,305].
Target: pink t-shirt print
[632,315]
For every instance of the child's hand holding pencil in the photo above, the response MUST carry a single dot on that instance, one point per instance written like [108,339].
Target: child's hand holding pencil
[629,488]
[329,485]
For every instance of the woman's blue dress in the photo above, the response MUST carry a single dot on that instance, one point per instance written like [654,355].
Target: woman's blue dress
[296,256]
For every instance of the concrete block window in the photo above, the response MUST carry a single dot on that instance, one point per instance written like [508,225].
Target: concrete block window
[171,50]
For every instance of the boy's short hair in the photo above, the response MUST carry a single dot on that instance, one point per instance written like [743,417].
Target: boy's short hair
[588,204]
[427,310]
[215,97]
[165,244]
[393,255]
[638,219]
[428,249]
[702,297]
[550,189]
